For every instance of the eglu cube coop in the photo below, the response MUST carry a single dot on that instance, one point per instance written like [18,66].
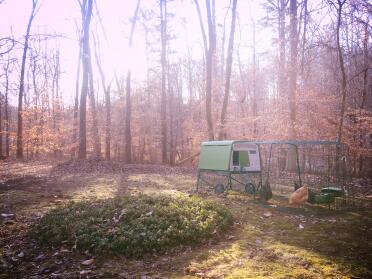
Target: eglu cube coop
[242,162]
[228,158]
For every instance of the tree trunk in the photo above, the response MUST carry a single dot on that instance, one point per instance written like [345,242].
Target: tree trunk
[106,90]
[291,155]
[281,35]
[171,127]
[254,83]
[36,143]
[128,111]
[210,55]
[21,84]
[86,14]
[95,132]
[7,142]
[163,111]
[343,84]
[229,61]
[76,105]
[304,42]
[108,124]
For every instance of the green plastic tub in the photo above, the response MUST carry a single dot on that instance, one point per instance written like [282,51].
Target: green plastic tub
[335,191]
[324,198]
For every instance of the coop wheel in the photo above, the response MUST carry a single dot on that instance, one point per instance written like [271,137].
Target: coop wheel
[219,188]
[250,188]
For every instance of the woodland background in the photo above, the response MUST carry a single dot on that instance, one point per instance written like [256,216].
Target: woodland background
[315,84]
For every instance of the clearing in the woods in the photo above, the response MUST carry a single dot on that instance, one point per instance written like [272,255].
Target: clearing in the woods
[271,240]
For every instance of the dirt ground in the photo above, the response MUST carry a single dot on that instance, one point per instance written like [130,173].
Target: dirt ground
[271,240]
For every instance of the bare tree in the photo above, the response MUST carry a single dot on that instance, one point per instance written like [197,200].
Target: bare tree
[282,5]
[340,4]
[163,107]
[291,156]
[229,61]
[76,103]
[86,10]
[106,89]
[209,54]
[7,71]
[93,107]
[128,134]
[21,82]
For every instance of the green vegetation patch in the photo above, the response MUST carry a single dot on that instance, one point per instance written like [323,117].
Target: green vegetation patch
[133,225]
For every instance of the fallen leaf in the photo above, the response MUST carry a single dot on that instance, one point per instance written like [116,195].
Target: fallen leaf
[267,214]
[64,250]
[88,262]
[7,215]
[40,258]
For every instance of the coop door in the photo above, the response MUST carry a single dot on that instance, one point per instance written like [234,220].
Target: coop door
[240,158]
[246,157]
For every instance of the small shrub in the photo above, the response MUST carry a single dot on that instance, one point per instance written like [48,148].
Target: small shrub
[133,226]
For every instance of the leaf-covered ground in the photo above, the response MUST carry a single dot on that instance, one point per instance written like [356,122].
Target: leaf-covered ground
[270,240]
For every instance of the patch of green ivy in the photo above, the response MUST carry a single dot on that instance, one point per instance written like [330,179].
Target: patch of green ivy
[133,225]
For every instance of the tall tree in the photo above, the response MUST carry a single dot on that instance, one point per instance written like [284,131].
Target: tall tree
[229,61]
[128,110]
[340,4]
[76,101]
[282,5]
[209,54]
[292,86]
[106,90]
[7,71]
[163,108]
[293,67]
[305,20]
[21,82]
[86,10]
[93,108]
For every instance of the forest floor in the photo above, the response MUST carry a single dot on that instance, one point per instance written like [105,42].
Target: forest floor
[271,240]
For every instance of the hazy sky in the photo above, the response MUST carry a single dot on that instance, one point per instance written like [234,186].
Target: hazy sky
[62,17]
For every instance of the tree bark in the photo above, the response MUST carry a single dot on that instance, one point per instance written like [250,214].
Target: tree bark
[229,61]
[209,54]
[163,109]
[95,132]
[128,110]
[211,50]
[343,84]
[254,83]
[6,104]
[304,42]
[106,90]
[21,83]
[76,104]
[281,34]
[291,155]
[86,14]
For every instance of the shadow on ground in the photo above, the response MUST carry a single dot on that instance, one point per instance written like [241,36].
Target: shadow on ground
[269,240]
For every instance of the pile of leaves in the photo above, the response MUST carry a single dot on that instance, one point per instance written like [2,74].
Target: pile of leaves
[133,225]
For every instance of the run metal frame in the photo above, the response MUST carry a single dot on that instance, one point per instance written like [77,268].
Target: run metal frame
[229,174]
